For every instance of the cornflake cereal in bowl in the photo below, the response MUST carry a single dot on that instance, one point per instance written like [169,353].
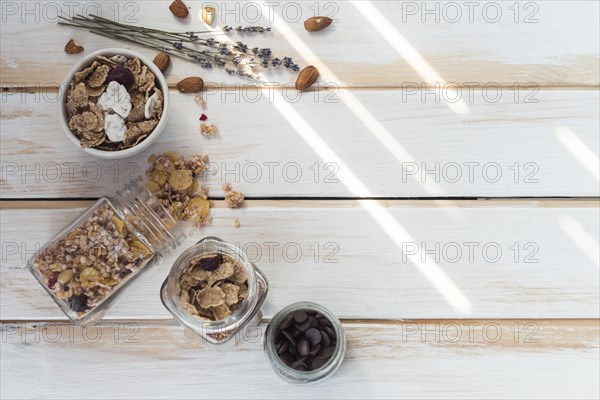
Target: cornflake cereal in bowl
[114,103]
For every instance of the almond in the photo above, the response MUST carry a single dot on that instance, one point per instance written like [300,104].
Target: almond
[314,24]
[193,84]
[72,47]
[208,14]
[162,61]
[307,77]
[179,9]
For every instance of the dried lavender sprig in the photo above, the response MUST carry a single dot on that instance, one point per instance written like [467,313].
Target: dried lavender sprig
[236,58]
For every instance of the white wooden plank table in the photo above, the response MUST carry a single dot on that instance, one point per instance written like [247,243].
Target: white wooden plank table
[373,180]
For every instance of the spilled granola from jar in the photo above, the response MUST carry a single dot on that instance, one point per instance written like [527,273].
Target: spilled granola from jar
[213,287]
[173,180]
[233,198]
[91,260]
[114,104]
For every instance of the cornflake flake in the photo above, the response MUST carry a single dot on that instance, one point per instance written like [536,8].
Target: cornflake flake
[212,295]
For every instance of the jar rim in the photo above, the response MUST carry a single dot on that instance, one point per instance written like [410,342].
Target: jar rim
[293,375]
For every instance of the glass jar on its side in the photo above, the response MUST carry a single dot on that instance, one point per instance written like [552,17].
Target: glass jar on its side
[293,375]
[94,258]
[219,332]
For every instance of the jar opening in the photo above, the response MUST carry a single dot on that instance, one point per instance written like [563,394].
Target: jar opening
[216,331]
[286,371]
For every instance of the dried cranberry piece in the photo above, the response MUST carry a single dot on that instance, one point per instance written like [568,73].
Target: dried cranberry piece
[122,75]
[51,282]
[210,263]
[203,117]
[124,272]
[78,303]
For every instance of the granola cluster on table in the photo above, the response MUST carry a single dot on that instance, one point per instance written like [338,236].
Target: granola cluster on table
[114,104]
[173,180]
[85,266]
[213,286]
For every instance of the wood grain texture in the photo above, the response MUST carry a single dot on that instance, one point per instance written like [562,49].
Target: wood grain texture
[531,329]
[501,149]
[338,255]
[552,42]
[415,359]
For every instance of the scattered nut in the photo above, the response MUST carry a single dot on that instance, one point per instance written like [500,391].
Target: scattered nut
[208,14]
[179,9]
[162,61]
[314,24]
[307,77]
[73,47]
[236,223]
[192,84]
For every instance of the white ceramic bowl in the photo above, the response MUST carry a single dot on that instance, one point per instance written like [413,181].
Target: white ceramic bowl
[86,62]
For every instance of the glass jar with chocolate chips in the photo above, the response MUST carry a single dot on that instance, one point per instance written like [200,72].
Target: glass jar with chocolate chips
[87,264]
[305,343]
[214,290]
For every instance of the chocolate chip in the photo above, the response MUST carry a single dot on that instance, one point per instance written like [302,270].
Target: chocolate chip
[314,323]
[325,322]
[283,346]
[326,352]
[302,326]
[287,358]
[299,365]
[313,335]
[300,316]
[318,363]
[325,340]
[287,322]
[303,347]
[315,350]
[292,350]
[289,337]
[278,337]
[330,332]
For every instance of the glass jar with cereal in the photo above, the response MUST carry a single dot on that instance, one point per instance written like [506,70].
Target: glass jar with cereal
[214,290]
[94,258]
